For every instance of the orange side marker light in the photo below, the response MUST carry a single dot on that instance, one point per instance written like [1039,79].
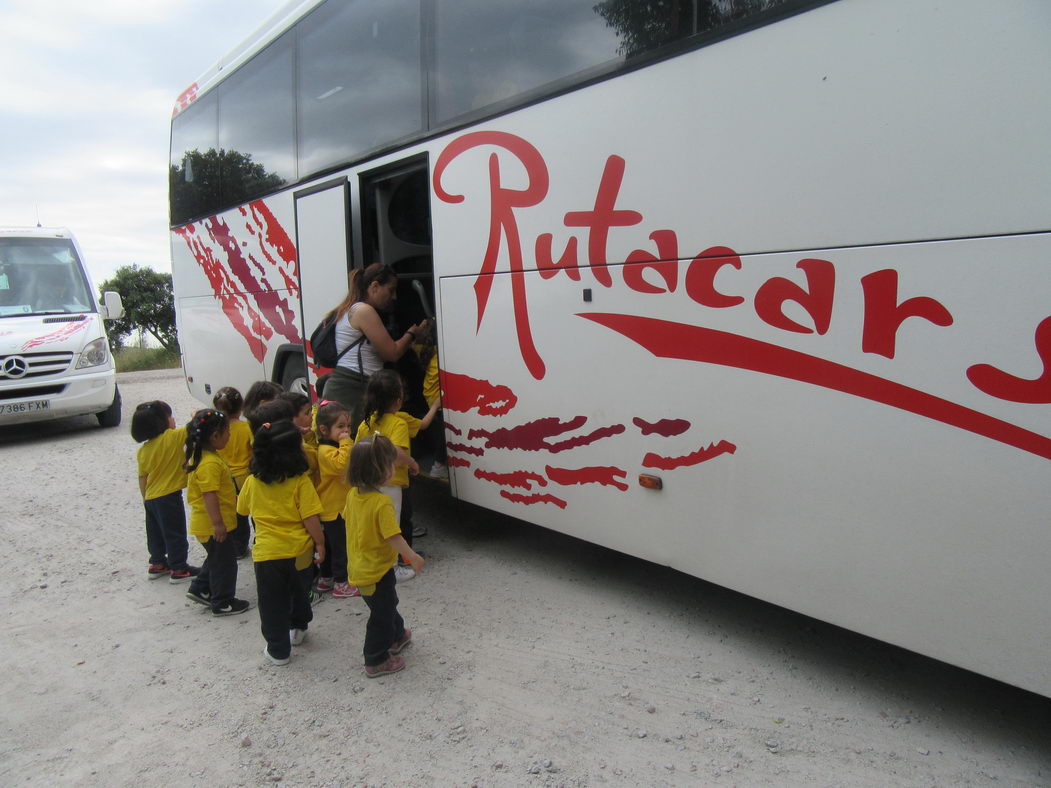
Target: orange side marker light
[650,482]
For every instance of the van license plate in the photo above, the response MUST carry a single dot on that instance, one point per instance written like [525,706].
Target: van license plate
[25,407]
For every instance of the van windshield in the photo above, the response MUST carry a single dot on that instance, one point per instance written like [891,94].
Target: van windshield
[41,276]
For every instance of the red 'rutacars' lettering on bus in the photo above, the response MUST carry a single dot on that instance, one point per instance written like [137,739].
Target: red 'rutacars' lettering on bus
[458,462]
[523,479]
[666,428]
[1002,385]
[593,475]
[666,339]
[703,454]
[884,315]
[534,435]
[529,500]
[59,334]
[462,393]
[817,300]
[477,451]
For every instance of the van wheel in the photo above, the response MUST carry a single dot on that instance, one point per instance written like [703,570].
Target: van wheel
[294,376]
[110,417]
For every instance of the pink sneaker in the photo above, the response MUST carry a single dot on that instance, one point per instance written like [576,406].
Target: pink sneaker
[323,585]
[392,665]
[399,644]
[344,591]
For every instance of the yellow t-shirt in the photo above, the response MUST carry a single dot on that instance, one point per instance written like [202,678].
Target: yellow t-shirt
[162,461]
[393,426]
[312,464]
[370,522]
[431,389]
[279,510]
[238,450]
[211,475]
[333,488]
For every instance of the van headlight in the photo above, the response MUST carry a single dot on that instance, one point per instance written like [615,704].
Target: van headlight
[93,354]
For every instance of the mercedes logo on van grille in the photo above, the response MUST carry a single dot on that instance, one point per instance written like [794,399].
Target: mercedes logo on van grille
[14,367]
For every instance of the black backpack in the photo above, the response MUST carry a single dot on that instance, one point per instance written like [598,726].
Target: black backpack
[323,343]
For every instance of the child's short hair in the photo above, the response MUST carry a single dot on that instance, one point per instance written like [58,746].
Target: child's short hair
[261,391]
[296,400]
[370,462]
[277,452]
[228,400]
[199,431]
[319,384]
[383,389]
[273,411]
[329,413]
[150,420]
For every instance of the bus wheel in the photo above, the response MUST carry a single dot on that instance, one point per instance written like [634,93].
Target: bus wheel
[294,376]
[110,417]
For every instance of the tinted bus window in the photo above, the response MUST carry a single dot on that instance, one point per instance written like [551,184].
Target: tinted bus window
[359,79]
[194,171]
[257,125]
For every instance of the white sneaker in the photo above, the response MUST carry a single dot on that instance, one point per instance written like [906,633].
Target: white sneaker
[439,470]
[297,636]
[403,573]
[273,659]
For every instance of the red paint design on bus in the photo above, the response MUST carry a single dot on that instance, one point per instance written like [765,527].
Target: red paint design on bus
[522,479]
[462,393]
[666,339]
[186,98]
[458,462]
[666,428]
[595,475]
[454,430]
[703,454]
[535,435]
[59,334]
[1003,385]
[529,500]
[465,449]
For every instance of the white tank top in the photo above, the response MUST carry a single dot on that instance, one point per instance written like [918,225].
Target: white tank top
[345,335]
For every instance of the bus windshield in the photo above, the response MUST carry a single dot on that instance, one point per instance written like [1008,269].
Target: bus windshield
[41,276]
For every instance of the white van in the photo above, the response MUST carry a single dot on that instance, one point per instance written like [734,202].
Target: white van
[54,356]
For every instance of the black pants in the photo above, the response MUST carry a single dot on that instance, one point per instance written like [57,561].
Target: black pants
[166,530]
[218,577]
[385,623]
[284,602]
[335,563]
[242,536]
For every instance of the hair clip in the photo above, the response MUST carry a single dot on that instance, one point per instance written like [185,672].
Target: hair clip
[325,402]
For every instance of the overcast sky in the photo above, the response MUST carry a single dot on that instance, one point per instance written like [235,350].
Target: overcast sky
[86,95]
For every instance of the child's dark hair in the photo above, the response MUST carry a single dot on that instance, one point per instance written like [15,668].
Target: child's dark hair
[328,414]
[319,385]
[370,462]
[229,401]
[277,452]
[261,391]
[296,400]
[150,420]
[384,388]
[199,431]
[272,411]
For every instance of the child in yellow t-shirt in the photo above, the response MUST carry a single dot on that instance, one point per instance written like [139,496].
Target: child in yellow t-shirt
[433,438]
[384,396]
[161,481]
[303,417]
[213,513]
[333,429]
[285,507]
[374,541]
[237,453]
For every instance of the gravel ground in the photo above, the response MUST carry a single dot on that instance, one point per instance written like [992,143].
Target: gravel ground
[537,660]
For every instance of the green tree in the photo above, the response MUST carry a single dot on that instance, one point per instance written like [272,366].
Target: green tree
[204,181]
[149,305]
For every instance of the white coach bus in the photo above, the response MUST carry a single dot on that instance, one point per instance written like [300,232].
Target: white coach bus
[755,289]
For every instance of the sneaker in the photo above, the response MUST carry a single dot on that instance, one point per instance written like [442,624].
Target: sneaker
[403,573]
[398,645]
[316,598]
[344,591]
[273,659]
[392,665]
[200,599]
[157,571]
[231,608]
[418,530]
[439,470]
[297,636]
[186,573]
[323,585]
